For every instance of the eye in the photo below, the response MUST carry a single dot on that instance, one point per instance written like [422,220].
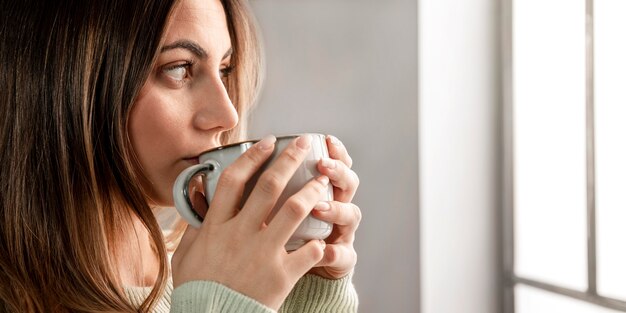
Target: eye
[225,72]
[179,73]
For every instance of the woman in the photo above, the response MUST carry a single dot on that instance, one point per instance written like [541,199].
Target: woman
[104,103]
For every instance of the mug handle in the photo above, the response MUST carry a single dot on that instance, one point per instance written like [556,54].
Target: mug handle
[182,200]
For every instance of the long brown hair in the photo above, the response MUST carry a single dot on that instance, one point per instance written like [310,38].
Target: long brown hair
[69,74]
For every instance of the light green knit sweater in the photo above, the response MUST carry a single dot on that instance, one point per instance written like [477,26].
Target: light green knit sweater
[311,294]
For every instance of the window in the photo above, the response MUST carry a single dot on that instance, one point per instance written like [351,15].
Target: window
[565,156]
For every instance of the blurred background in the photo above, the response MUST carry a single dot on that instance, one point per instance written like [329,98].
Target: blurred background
[487,135]
[349,68]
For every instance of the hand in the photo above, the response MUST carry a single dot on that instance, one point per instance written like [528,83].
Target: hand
[236,247]
[339,255]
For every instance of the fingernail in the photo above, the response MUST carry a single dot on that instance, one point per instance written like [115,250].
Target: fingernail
[304,141]
[323,180]
[323,243]
[322,206]
[334,140]
[329,163]
[266,143]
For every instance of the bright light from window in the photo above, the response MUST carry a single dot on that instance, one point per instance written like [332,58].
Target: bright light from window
[610,110]
[549,136]
[531,300]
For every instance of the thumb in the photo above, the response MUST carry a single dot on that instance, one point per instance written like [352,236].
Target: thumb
[299,262]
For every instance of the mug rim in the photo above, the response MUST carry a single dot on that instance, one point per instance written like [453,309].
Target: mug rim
[253,141]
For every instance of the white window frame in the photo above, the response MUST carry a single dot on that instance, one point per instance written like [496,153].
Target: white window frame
[510,278]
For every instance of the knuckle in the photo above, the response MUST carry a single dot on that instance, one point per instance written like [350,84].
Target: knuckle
[253,156]
[319,187]
[292,155]
[357,213]
[331,255]
[340,212]
[352,182]
[229,177]
[317,254]
[357,180]
[296,207]
[270,183]
[348,161]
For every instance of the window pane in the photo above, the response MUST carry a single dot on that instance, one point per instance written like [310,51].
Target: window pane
[531,300]
[610,109]
[549,137]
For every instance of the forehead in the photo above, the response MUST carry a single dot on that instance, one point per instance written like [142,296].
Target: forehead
[203,21]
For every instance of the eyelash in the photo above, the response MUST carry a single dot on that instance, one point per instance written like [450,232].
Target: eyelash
[225,72]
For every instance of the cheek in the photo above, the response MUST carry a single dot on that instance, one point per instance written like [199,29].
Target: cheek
[155,130]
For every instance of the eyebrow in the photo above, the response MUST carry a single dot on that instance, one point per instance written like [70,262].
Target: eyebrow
[193,47]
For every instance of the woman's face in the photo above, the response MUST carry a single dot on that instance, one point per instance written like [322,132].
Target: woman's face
[183,107]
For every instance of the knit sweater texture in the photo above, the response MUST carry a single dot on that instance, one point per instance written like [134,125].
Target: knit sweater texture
[311,294]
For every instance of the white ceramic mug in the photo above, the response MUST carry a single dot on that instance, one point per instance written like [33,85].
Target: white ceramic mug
[214,161]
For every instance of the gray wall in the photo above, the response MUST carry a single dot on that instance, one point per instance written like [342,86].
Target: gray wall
[349,68]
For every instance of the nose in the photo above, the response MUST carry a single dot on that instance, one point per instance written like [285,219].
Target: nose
[214,110]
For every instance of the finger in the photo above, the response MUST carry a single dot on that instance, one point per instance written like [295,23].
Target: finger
[302,260]
[199,203]
[273,181]
[338,257]
[341,176]
[337,150]
[230,186]
[296,209]
[346,215]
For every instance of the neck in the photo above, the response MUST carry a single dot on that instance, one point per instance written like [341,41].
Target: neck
[137,260]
